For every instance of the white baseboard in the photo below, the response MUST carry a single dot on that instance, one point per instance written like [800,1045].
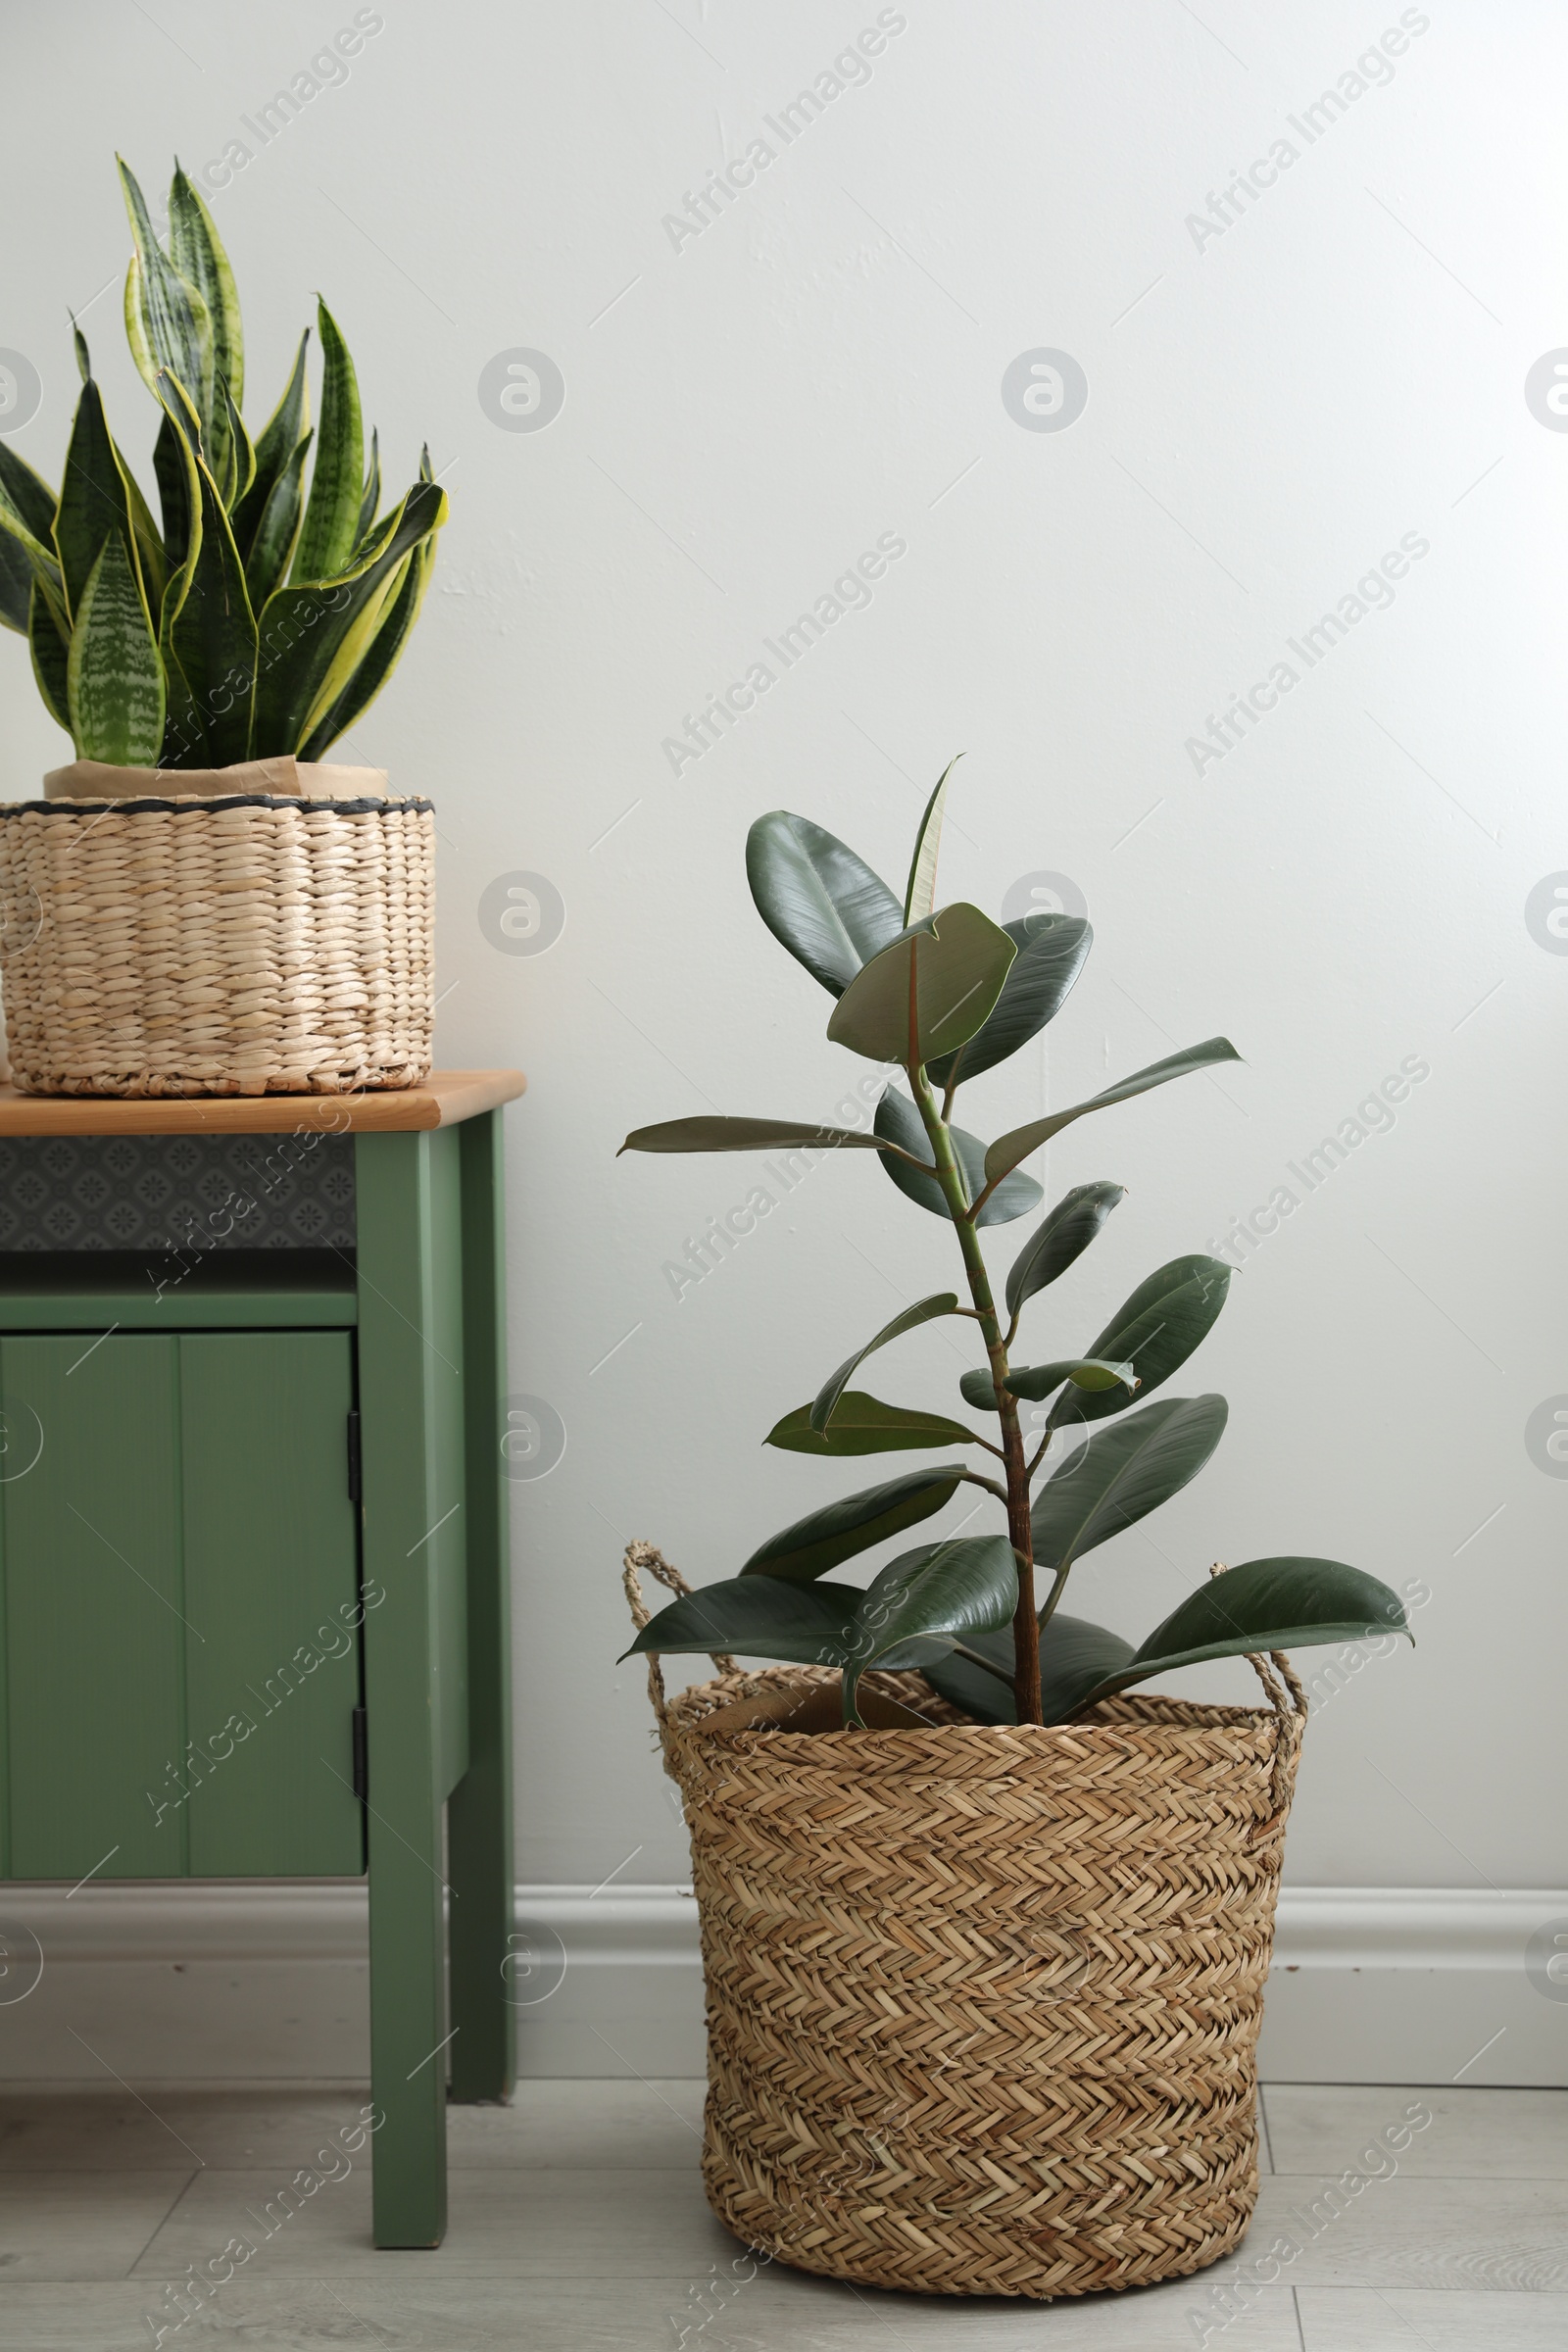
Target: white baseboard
[228,1983]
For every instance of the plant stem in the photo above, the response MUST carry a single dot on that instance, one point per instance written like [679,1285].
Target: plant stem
[1025,1632]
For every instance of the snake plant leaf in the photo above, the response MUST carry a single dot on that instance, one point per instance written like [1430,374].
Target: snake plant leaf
[928,991]
[864,1423]
[1064,1235]
[168,324]
[93,497]
[426,471]
[26,541]
[208,628]
[15,583]
[277,446]
[26,495]
[1051,952]
[755,1617]
[705,1133]
[1120,1474]
[83,354]
[1008,1149]
[1074,1655]
[233,462]
[49,643]
[940,1302]
[196,250]
[920,893]
[805,1550]
[1036,1382]
[169,471]
[303,626]
[273,537]
[898,1122]
[370,495]
[333,510]
[935,1595]
[1156,1330]
[1287,1603]
[354,647]
[818,898]
[115,680]
[380,659]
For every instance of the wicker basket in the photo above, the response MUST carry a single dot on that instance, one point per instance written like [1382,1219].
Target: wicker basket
[245,945]
[983,2002]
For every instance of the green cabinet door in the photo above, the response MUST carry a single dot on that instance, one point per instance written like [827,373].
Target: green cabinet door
[96,1618]
[181,1606]
[271,1580]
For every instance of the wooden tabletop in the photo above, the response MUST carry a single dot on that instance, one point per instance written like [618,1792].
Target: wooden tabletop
[445,1097]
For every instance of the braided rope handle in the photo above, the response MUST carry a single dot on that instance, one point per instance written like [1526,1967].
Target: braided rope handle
[641,1555]
[1289,1682]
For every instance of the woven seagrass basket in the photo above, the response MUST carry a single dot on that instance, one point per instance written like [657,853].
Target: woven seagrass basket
[983,2002]
[243,945]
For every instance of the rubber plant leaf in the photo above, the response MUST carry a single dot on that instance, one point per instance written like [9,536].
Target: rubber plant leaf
[1120,1474]
[813,1545]
[1036,1382]
[1074,1655]
[1008,1149]
[928,991]
[864,1423]
[1064,1235]
[818,898]
[898,1122]
[1167,1318]
[758,1616]
[925,1600]
[1051,952]
[715,1133]
[920,892]
[940,1302]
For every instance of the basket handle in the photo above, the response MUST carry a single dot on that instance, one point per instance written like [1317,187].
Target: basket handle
[1287,1682]
[641,1555]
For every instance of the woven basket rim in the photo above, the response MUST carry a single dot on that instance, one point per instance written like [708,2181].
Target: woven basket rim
[144,805]
[1174,1725]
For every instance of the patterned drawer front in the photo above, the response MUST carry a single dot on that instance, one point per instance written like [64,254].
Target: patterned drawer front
[156,1192]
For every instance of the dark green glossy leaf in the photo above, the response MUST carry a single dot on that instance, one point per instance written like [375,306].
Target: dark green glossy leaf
[1120,1474]
[272,540]
[713,1132]
[15,583]
[1066,1235]
[942,1302]
[1036,1382]
[1155,1330]
[277,446]
[208,629]
[839,1530]
[333,510]
[818,898]
[173,495]
[920,892]
[1008,1149]
[1074,1655]
[93,499]
[49,643]
[864,1423]
[928,991]
[757,1617]
[26,541]
[898,1122]
[237,471]
[1260,1606]
[937,1593]
[28,497]
[1051,950]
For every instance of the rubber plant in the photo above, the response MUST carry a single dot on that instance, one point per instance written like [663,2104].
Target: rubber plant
[264,612]
[945,995]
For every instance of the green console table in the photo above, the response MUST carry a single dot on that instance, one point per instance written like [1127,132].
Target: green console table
[253,1542]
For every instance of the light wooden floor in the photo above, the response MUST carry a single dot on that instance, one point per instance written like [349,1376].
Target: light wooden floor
[579,2225]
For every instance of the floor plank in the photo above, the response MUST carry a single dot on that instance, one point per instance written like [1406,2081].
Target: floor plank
[81,2224]
[1347,2319]
[1408,2233]
[1497,2134]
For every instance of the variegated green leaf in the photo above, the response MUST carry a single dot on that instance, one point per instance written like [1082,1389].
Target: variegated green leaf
[83,354]
[233,465]
[49,643]
[380,657]
[115,680]
[95,499]
[197,252]
[26,546]
[209,629]
[277,446]
[333,509]
[167,325]
[274,536]
[303,626]
[370,497]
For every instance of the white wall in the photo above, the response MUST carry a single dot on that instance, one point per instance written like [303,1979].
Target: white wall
[1267,415]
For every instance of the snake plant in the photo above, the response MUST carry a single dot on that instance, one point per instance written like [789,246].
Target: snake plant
[944,995]
[264,612]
